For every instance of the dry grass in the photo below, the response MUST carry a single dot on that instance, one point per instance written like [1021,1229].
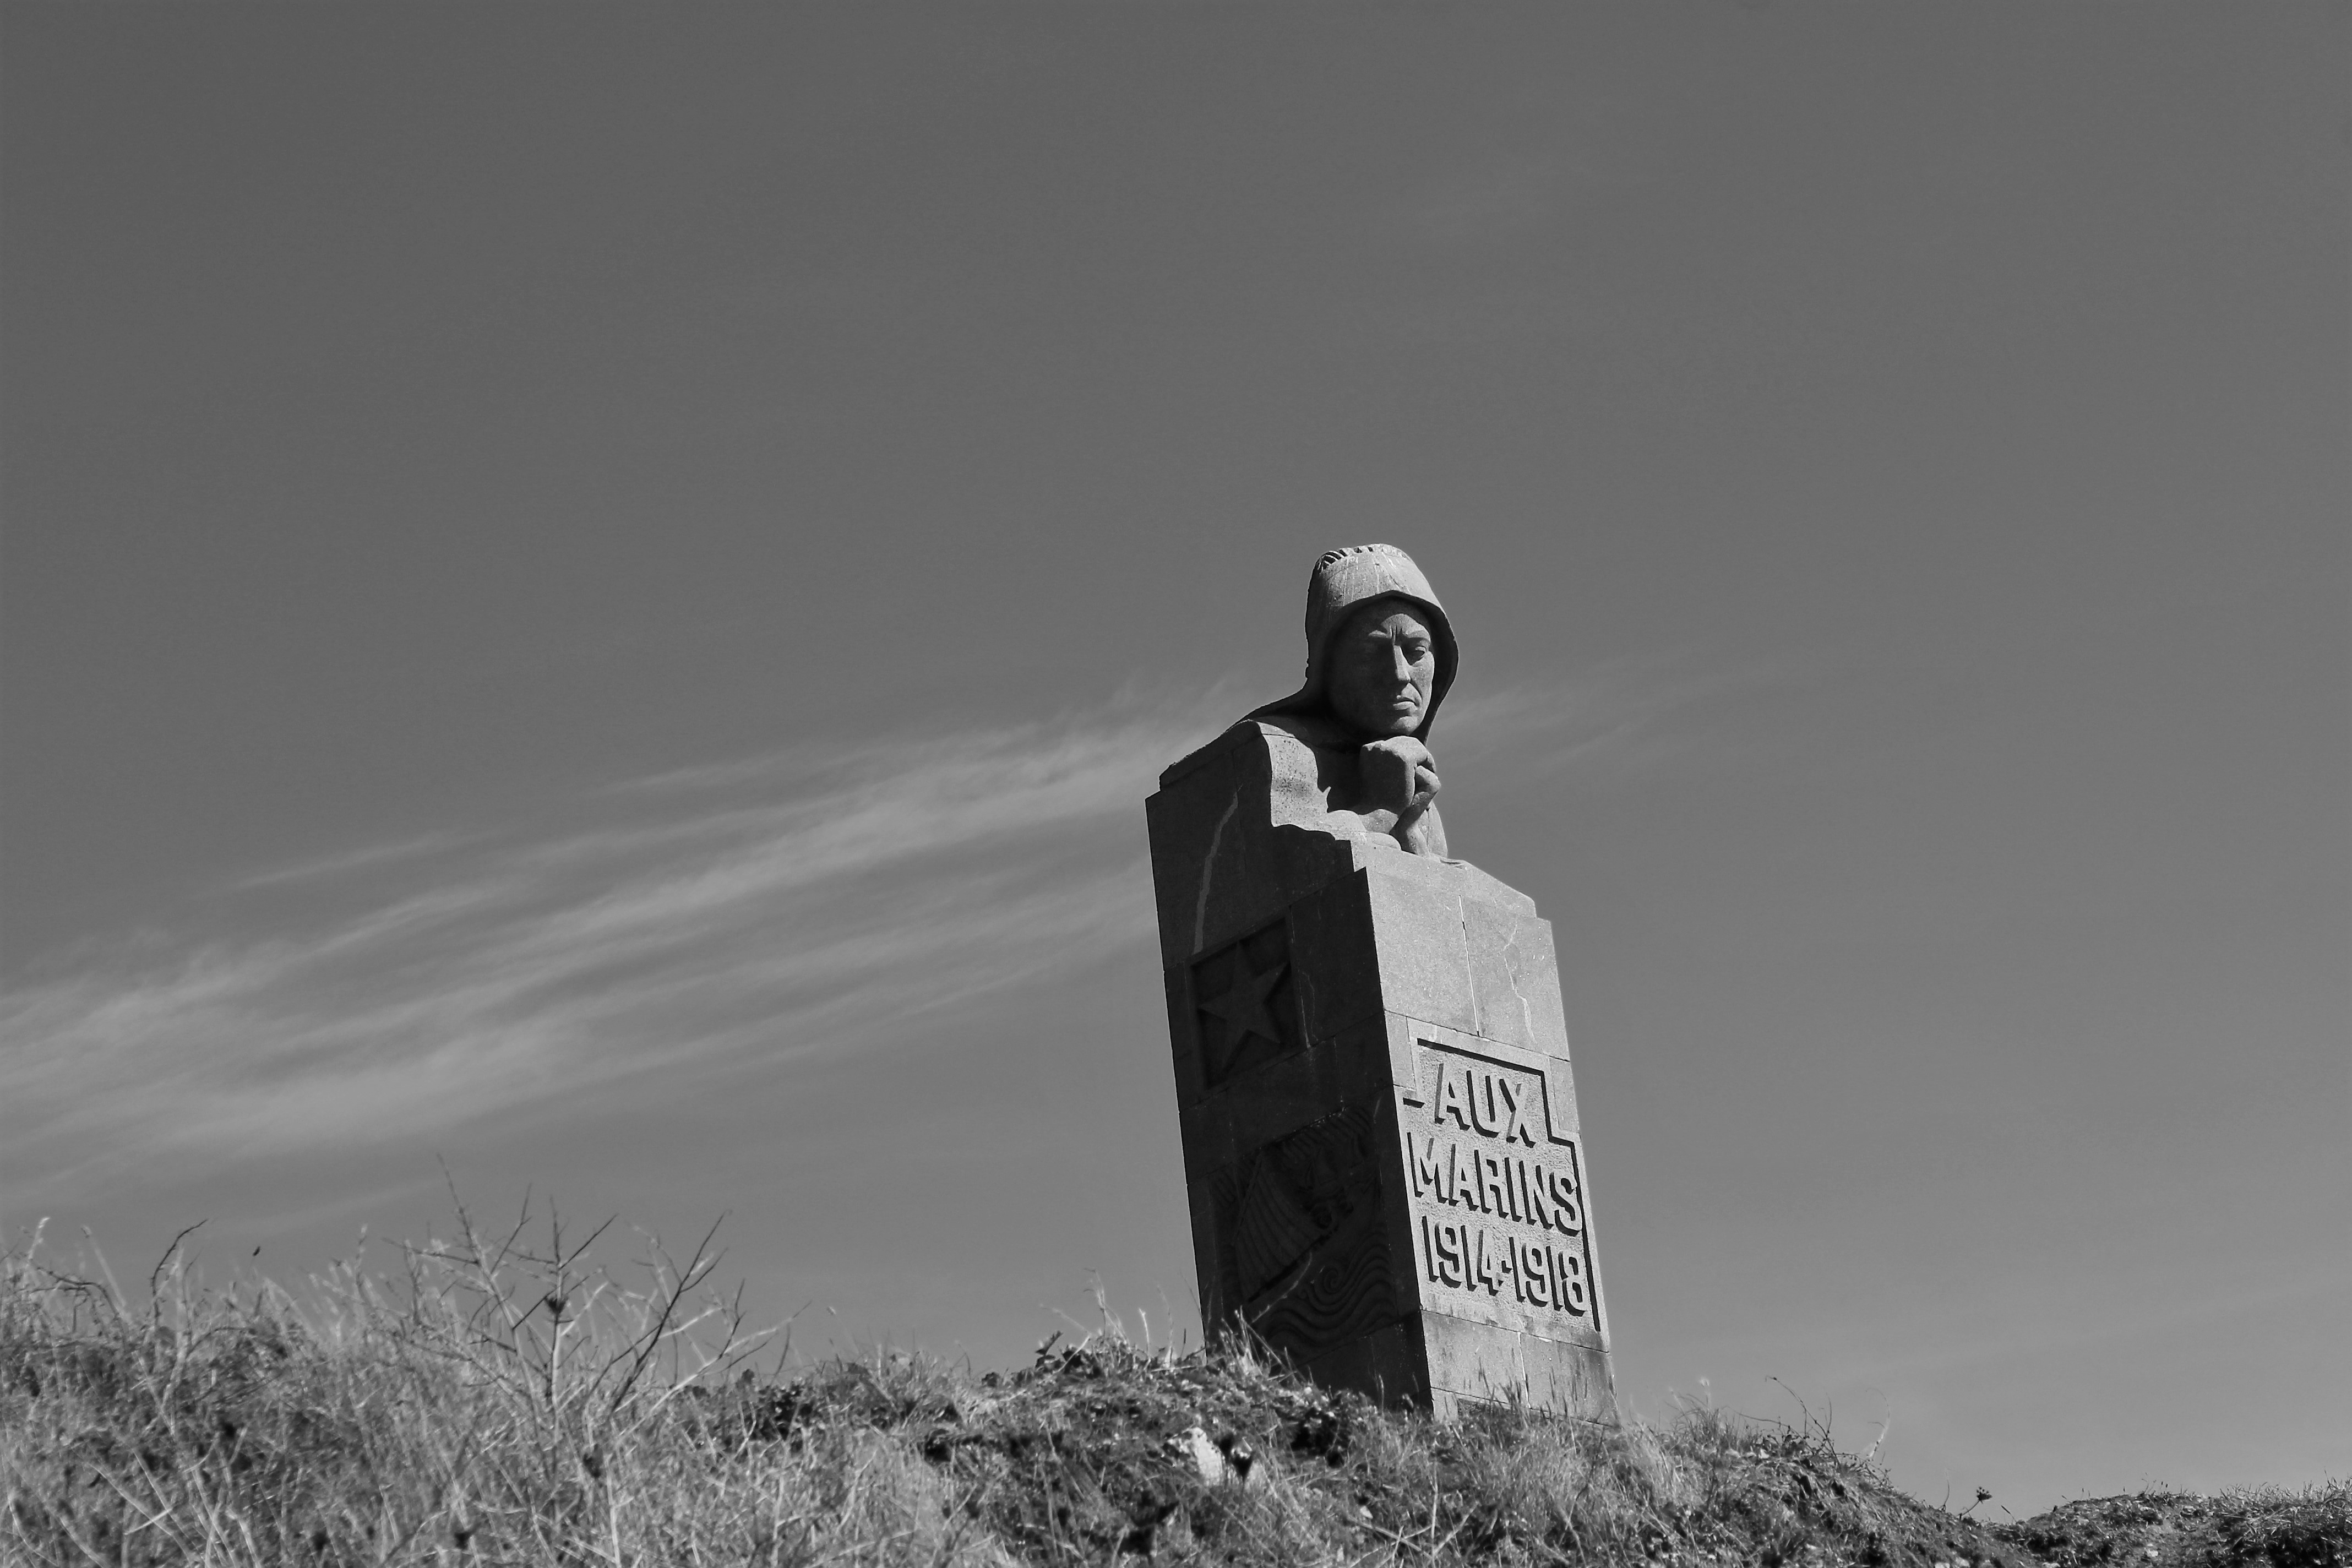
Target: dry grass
[493,1401]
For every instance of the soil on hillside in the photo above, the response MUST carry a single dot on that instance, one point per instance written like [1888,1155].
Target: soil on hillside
[2160,1530]
[1130,1456]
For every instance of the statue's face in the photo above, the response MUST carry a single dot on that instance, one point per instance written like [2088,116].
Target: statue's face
[1382,662]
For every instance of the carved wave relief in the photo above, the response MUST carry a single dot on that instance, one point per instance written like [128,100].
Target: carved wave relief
[1306,1256]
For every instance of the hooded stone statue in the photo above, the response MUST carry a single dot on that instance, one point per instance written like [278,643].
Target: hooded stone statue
[1349,750]
[1337,771]
[1381,1150]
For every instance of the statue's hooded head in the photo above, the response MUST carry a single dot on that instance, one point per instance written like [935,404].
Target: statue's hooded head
[1345,581]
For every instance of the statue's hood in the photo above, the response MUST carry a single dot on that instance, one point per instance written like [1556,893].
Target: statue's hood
[1343,579]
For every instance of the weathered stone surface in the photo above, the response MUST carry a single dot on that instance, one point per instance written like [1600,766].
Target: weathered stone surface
[1476,1364]
[1386,1174]
[1514,976]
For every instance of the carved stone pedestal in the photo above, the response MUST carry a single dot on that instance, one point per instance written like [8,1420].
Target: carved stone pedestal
[1379,1128]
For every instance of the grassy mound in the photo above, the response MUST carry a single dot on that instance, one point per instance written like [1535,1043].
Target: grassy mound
[490,1404]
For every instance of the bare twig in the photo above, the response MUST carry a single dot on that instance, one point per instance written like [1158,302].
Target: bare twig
[155,1276]
[695,1272]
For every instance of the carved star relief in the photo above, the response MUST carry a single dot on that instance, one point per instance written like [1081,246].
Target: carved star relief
[1241,1005]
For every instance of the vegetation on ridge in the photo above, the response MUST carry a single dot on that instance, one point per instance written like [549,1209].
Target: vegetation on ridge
[488,1403]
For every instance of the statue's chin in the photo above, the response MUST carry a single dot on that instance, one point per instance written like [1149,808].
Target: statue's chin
[1385,726]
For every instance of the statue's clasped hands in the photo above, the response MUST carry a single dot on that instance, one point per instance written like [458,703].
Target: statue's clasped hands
[1400,777]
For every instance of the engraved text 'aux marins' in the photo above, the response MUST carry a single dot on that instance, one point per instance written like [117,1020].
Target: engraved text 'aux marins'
[1479,1154]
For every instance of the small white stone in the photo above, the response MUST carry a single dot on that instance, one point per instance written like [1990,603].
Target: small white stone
[1198,1445]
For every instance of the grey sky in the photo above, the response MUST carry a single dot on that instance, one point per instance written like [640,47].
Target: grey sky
[594,592]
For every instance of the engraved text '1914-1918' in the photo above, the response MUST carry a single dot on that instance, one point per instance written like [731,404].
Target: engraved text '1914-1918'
[1501,1207]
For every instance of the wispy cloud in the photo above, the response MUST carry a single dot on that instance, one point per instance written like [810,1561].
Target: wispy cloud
[1625,718]
[810,902]
[328,866]
[818,901]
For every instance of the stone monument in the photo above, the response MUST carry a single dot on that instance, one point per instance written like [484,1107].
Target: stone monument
[1380,1143]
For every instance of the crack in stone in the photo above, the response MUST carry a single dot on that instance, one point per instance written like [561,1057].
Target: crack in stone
[1209,872]
[1469,968]
[1511,973]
